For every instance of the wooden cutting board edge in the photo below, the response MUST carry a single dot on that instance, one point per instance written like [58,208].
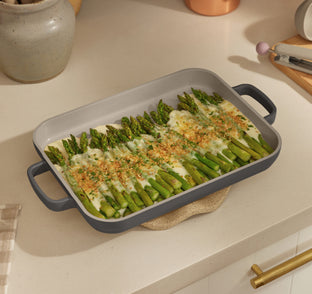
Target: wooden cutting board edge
[304,80]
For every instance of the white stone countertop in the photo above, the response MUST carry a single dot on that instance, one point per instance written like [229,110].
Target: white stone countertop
[119,45]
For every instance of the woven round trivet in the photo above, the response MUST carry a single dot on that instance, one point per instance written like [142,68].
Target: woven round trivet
[204,205]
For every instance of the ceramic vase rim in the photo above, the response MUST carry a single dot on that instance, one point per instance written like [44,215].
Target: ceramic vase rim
[26,8]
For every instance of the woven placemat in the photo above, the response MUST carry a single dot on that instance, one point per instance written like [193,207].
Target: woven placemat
[8,225]
[207,204]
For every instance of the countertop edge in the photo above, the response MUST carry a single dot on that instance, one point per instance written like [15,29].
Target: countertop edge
[229,255]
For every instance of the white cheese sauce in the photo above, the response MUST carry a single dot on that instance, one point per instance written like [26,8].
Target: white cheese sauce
[252,130]
[96,198]
[179,169]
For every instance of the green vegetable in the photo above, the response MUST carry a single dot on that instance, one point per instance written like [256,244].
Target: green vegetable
[162,191]
[264,144]
[240,153]
[225,166]
[254,154]
[142,193]
[197,177]
[107,209]
[152,193]
[136,198]
[253,144]
[205,169]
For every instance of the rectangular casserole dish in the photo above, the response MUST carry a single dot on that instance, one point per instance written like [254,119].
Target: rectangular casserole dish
[134,102]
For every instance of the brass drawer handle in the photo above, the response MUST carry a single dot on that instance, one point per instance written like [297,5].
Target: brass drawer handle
[263,278]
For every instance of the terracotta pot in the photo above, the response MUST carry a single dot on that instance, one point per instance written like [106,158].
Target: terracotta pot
[76,5]
[212,7]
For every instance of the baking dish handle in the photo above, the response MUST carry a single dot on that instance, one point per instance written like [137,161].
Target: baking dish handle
[258,95]
[56,205]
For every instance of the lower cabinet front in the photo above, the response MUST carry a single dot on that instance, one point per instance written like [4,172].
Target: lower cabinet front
[235,278]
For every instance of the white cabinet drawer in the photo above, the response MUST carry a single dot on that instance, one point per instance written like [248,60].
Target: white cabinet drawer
[235,278]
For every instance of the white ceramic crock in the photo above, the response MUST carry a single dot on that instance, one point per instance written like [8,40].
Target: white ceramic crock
[36,39]
[303,20]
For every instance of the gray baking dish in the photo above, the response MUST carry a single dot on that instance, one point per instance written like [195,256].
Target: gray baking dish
[134,102]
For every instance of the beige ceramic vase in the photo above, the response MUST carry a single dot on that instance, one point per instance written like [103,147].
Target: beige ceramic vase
[36,39]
